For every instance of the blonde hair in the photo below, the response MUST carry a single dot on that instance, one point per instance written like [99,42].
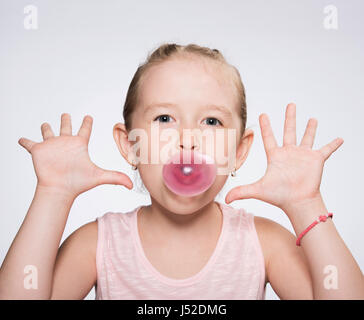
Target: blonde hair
[166,52]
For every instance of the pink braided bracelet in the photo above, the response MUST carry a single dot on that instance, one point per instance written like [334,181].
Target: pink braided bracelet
[321,218]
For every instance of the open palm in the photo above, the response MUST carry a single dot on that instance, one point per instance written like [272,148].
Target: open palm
[63,162]
[293,172]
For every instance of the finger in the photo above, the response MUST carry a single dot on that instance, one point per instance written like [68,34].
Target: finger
[250,191]
[115,177]
[269,140]
[26,143]
[310,132]
[331,147]
[289,135]
[86,127]
[66,125]
[46,131]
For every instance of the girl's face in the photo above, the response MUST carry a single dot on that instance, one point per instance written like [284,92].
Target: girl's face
[178,95]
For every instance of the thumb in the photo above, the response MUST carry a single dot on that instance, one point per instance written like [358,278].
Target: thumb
[114,177]
[249,191]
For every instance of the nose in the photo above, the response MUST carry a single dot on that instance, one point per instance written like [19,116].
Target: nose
[184,147]
[188,140]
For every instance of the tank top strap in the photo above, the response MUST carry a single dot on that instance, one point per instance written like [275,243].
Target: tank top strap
[240,220]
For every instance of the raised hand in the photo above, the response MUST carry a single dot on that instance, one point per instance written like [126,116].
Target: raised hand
[62,162]
[293,173]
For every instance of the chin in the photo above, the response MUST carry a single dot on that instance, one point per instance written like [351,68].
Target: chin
[183,204]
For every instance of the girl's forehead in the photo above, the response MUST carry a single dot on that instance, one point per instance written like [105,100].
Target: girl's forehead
[188,68]
[187,81]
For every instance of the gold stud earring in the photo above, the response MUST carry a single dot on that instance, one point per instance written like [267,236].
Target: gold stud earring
[233,173]
[133,166]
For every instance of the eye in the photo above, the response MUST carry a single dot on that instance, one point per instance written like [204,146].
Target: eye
[163,118]
[213,121]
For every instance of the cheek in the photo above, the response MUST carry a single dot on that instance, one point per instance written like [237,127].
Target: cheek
[225,154]
[218,184]
[151,176]
[162,144]
[151,172]
[149,148]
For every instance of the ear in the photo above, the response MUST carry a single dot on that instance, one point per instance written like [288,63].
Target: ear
[124,145]
[243,148]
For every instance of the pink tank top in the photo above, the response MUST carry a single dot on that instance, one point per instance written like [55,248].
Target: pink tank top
[235,270]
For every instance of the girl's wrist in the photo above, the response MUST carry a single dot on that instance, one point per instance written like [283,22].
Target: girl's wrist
[56,193]
[304,213]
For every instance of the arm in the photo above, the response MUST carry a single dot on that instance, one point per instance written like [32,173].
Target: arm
[335,273]
[292,183]
[298,272]
[35,244]
[68,274]
[75,268]
[64,171]
[286,266]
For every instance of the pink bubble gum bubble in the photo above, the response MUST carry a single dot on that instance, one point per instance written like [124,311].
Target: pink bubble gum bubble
[189,173]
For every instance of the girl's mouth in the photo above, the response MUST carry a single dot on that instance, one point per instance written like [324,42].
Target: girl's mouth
[189,173]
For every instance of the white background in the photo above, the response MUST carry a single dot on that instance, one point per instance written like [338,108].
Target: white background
[83,55]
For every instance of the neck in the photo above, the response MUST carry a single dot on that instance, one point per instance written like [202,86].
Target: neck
[169,224]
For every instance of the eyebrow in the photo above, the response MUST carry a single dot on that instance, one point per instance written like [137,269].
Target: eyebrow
[218,108]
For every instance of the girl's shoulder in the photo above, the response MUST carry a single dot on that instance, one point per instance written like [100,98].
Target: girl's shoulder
[75,266]
[282,255]
[271,233]
[274,238]
[86,237]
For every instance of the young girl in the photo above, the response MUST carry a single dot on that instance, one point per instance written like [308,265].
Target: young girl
[181,247]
